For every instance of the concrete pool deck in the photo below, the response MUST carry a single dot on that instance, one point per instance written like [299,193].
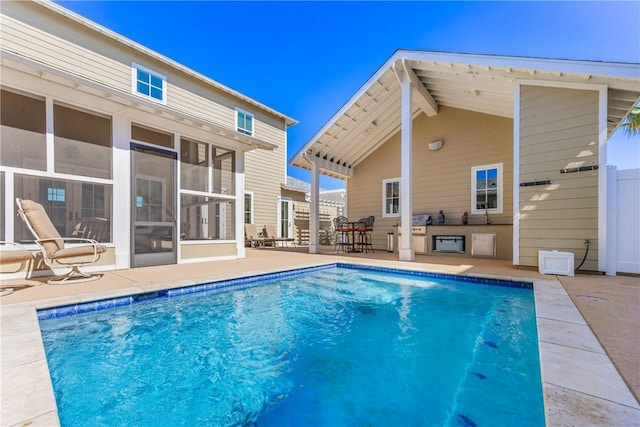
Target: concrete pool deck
[587,329]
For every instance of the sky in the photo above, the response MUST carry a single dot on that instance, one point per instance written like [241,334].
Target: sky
[306,59]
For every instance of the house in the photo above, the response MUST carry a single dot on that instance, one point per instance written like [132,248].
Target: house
[97,126]
[519,144]
[296,194]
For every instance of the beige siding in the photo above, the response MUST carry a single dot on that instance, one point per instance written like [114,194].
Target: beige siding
[42,36]
[207,250]
[39,34]
[441,179]
[265,171]
[558,130]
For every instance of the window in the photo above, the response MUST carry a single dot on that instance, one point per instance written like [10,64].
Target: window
[55,194]
[248,208]
[224,168]
[206,218]
[486,189]
[207,192]
[244,122]
[391,197]
[82,142]
[71,206]
[149,84]
[23,131]
[194,165]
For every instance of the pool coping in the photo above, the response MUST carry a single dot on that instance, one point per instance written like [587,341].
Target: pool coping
[580,384]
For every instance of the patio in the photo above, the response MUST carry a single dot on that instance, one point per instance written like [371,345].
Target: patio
[580,384]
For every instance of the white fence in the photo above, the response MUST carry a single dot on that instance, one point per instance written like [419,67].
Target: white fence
[624,211]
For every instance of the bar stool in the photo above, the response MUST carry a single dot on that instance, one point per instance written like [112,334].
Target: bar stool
[341,226]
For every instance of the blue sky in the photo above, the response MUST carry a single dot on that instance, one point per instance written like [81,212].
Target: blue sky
[306,59]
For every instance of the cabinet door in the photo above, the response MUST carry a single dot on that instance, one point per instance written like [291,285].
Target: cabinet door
[420,244]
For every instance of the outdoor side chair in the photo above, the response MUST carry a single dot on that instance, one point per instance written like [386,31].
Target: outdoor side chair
[253,239]
[52,245]
[270,232]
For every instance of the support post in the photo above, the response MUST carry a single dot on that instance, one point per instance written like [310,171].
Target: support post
[406,251]
[314,206]
[122,190]
[239,205]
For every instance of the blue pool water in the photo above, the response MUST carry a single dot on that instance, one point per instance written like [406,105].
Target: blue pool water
[332,347]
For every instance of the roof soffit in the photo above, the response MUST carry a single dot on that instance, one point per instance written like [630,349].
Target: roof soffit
[478,83]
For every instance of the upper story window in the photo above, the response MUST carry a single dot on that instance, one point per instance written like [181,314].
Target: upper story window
[149,83]
[486,189]
[244,122]
[390,197]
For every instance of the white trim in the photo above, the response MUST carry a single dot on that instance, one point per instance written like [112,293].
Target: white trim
[606,238]
[289,201]
[215,258]
[121,235]
[500,189]
[516,174]
[9,207]
[601,68]
[205,242]
[49,134]
[56,175]
[406,251]
[612,220]
[248,193]
[560,84]
[385,214]
[239,209]
[253,122]
[134,83]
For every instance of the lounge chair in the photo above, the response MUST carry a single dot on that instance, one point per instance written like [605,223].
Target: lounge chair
[270,232]
[52,245]
[253,239]
[17,255]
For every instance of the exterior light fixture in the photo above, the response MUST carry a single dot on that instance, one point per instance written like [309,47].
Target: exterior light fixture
[435,145]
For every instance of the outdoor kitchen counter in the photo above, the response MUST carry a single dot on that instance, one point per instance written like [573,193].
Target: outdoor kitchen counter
[425,238]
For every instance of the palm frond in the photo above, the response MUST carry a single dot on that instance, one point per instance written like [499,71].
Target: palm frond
[631,124]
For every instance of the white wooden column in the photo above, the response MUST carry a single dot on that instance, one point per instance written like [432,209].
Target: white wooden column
[314,208]
[405,251]
[605,237]
[121,220]
[612,221]
[239,205]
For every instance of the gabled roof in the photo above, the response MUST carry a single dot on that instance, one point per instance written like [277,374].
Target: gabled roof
[146,51]
[481,83]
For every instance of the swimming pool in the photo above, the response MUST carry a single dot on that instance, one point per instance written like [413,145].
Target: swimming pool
[339,345]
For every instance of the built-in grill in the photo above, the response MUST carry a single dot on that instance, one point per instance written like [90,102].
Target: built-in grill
[419,224]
